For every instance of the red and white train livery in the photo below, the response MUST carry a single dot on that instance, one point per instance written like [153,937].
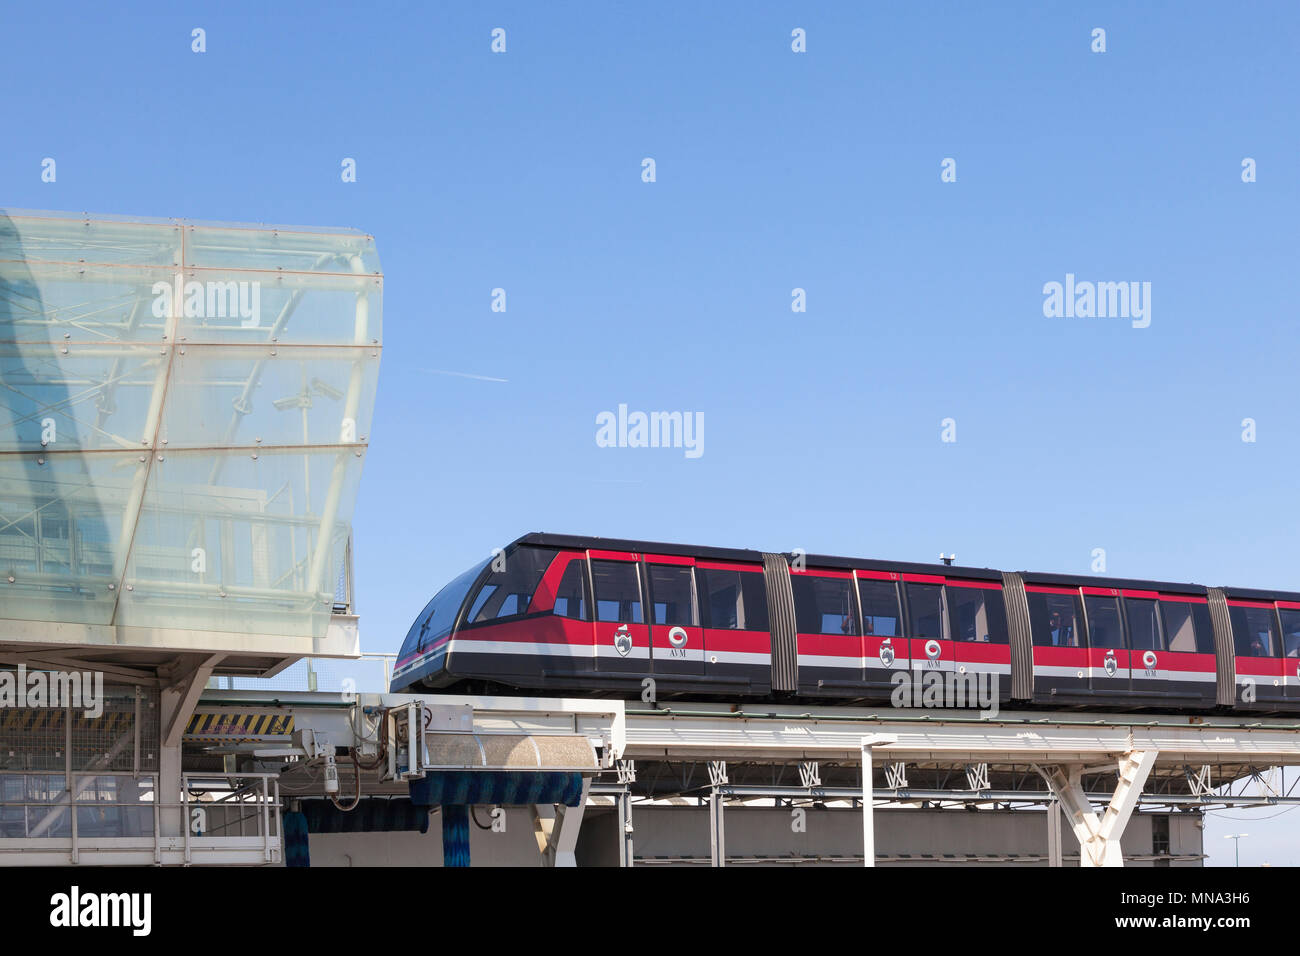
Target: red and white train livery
[568,614]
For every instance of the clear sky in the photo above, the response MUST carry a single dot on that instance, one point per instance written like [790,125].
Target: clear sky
[774,170]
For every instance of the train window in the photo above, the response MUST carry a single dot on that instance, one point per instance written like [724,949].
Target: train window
[1187,627]
[977,614]
[925,604]
[1055,619]
[618,592]
[1104,629]
[880,614]
[996,609]
[1254,631]
[722,598]
[509,592]
[754,591]
[571,595]
[732,600]
[1143,624]
[1290,633]
[824,605]
[672,595]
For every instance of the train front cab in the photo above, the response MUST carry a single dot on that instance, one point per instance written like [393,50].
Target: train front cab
[1121,646]
[858,628]
[422,659]
[529,620]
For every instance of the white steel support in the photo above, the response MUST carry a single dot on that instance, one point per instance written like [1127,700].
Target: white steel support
[1054,833]
[717,830]
[868,796]
[717,825]
[351,405]
[556,827]
[626,770]
[1099,837]
[177,698]
[625,845]
[148,446]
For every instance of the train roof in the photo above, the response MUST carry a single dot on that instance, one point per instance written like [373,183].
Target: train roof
[585,542]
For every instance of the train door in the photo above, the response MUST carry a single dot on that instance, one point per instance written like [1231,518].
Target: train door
[1256,641]
[733,612]
[1110,665]
[1289,614]
[930,643]
[884,645]
[1060,648]
[566,637]
[621,632]
[677,643]
[977,619]
[828,638]
[1172,643]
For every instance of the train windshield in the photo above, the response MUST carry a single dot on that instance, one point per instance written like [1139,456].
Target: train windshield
[439,615]
[508,590]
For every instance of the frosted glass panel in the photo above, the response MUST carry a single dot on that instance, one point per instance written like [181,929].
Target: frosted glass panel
[288,250]
[64,533]
[297,395]
[233,542]
[184,414]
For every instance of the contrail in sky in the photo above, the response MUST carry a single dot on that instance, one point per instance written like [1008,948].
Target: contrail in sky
[481,378]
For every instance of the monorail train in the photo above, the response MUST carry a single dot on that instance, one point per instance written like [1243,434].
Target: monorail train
[569,614]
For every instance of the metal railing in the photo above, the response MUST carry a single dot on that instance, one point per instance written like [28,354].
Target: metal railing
[209,808]
[260,791]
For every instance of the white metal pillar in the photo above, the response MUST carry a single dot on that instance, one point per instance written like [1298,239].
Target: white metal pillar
[717,826]
[625,848]
[183,683]
[1054,833]
[868,796]
[1099,837]
[351,404]
[556,828]
[626,777]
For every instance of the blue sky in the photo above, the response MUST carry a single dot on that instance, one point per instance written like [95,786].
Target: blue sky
[774,170]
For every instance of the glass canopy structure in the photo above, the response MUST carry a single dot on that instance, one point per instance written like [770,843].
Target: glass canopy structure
[184,413]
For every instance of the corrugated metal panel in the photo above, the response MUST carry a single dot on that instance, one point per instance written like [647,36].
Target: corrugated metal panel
[1022,641]
[780,614]
[1225,653]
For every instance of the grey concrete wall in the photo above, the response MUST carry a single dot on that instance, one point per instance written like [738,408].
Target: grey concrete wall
[903,836]
[667,833]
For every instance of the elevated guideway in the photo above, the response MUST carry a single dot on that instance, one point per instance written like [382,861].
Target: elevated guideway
[1091,770]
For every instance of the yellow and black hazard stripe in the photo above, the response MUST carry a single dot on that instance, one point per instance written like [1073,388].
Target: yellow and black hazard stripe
[233,725]
[37,719]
